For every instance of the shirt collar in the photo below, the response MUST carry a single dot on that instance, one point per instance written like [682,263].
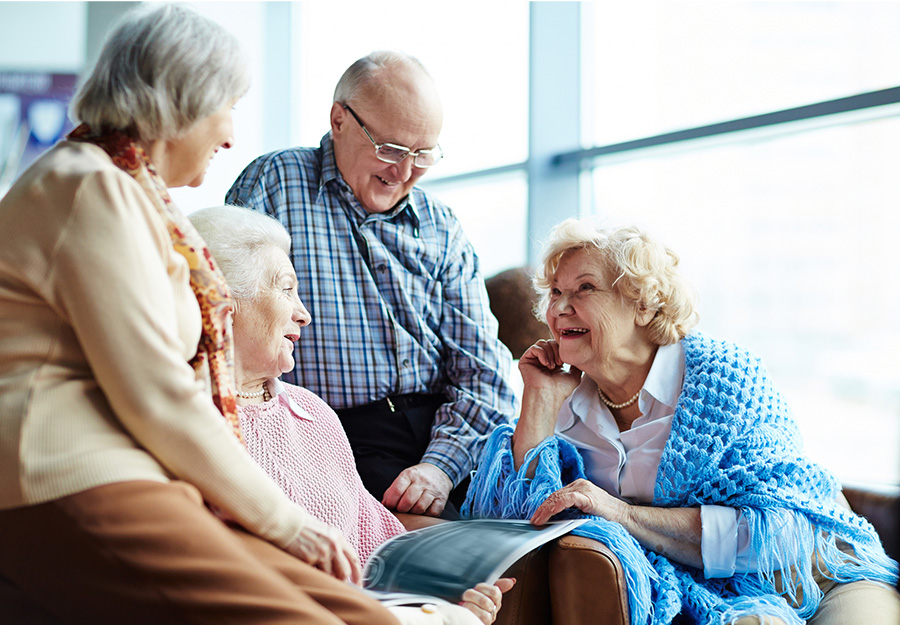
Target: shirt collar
[585,405]
[278,390]
[330,172]
[666,377]
[663,384]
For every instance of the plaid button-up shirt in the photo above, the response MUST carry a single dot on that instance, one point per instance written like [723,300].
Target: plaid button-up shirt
[397,300]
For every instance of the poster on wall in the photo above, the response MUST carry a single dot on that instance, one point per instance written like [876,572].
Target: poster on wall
[33,116]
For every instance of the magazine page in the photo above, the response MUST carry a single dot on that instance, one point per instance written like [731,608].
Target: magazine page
[445,560]
[401,598]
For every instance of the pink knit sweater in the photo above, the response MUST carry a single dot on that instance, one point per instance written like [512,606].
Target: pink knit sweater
[299,441]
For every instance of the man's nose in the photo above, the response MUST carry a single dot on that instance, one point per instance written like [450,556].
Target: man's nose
[403,169]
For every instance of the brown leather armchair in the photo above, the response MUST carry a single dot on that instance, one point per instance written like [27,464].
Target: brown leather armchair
[882,510]
[572,580]
[512,298]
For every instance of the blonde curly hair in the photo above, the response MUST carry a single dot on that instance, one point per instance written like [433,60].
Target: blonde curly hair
[646,273]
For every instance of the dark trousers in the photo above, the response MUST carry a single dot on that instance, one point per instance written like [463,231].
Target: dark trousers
[388,436]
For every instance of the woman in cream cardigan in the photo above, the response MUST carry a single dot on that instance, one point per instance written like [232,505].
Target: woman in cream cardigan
[125,497]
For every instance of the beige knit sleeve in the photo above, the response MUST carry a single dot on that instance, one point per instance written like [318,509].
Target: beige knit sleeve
[117,281]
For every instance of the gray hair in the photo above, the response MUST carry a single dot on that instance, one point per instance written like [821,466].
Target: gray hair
[369,68]
[161,69]
[240,239]
[646,273]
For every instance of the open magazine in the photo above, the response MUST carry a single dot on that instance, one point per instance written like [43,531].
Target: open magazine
[440,562]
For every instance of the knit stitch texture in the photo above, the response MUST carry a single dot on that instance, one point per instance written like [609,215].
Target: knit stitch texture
[312,462]
[733,443]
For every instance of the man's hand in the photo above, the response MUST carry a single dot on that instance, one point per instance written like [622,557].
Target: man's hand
[420,489]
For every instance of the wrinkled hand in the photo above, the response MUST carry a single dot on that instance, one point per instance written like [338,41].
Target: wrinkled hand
[587,497]
[325,548]
[420,489]
[541,368]
[485,599]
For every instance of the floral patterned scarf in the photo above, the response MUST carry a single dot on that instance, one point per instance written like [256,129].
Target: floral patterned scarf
[215,353]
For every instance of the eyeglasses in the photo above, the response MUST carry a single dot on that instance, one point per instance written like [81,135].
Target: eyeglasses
[393,153]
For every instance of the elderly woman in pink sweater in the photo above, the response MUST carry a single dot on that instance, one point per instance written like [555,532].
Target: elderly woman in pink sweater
[291,432]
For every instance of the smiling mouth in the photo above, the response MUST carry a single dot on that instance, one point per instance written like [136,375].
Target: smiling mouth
[574,331]
[385,182]
[293,338]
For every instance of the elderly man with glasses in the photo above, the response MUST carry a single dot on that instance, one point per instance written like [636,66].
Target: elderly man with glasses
[403,345]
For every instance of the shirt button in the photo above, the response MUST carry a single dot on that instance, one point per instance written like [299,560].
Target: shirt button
[406,362]
[382,268]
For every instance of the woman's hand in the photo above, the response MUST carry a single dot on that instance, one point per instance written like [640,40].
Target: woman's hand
[325,548]
[671,532]
[587,497]
[541,368]
[485,599]
[547,386]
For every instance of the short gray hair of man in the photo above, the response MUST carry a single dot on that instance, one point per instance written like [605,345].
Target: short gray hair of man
[368,68]
[161,69]
[646,273]
[240,241]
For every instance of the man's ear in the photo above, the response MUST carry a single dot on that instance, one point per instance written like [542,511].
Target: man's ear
[643,315]
[338,117]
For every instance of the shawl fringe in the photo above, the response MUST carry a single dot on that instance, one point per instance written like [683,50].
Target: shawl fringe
[763,474]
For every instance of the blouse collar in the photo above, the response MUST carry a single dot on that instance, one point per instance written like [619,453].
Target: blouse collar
[278,390]
[663,385]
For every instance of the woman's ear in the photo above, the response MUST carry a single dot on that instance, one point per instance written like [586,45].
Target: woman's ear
[643,315]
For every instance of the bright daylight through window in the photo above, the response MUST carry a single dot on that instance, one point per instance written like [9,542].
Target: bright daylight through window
[788,233]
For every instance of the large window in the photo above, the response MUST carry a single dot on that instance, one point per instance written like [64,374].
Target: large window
[655,67]
[481,70]
[789,233]
[480,65]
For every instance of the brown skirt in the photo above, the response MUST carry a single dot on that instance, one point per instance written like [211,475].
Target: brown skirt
[151,553]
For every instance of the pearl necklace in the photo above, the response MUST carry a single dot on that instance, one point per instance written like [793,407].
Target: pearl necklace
[618,406]
[264,393]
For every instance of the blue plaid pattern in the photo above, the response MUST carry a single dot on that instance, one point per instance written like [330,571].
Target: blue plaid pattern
[397,300]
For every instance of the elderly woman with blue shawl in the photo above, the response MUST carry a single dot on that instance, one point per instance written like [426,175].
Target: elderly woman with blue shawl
[679,448]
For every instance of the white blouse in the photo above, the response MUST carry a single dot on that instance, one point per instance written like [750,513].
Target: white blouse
[625,464]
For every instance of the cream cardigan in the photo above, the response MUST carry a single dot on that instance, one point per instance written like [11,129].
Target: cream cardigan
[97,323]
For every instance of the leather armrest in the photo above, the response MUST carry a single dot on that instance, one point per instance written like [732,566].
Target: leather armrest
[416,521]
[587,583]
[882,511]
[572,580]
[16,606]
[528,602]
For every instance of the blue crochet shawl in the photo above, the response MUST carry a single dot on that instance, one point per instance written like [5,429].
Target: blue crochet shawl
[733,443]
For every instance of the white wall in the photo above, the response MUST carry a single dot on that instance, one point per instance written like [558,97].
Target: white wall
[42,36]
[51,37]
[246,20]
